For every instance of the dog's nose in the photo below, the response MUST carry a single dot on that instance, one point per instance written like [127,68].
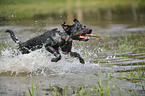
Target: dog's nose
[90,30]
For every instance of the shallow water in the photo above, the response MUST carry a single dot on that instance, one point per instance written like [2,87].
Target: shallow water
[120,50]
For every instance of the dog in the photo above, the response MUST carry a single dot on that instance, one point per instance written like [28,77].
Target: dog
[55,39]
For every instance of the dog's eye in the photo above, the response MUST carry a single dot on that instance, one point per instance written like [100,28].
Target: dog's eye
[80,28]
[85,26]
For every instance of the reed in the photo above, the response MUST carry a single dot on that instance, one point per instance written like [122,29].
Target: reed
[98,89]
[31,92]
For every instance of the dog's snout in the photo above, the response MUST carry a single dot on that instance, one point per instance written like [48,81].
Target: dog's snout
[87,31]
[90,30]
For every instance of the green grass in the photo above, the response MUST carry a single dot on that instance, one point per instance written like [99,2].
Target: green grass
[128,44]
[31,92]
[99,88]
[29,8]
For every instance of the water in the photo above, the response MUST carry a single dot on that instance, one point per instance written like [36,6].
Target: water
[119,51]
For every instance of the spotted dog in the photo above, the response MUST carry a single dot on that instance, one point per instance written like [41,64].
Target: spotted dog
[55,39]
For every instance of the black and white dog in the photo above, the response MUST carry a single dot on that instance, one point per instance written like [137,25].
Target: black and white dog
[55,39]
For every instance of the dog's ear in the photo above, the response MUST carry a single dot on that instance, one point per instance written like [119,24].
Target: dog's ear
[65,27]
[76,21]
[63,24]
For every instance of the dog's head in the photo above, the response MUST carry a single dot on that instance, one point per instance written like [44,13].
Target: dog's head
[77,31]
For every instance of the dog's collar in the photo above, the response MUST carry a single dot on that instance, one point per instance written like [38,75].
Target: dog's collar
[66,37]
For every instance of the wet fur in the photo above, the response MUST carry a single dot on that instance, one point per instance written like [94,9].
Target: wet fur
[53,40]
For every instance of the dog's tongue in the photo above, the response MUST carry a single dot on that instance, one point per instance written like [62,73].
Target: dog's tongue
[83,37]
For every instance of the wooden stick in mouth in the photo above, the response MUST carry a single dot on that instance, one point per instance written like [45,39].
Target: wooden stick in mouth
[91,35]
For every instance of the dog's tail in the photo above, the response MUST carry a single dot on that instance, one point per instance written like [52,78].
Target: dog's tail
[13,36]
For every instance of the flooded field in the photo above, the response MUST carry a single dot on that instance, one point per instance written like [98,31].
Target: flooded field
[115,62]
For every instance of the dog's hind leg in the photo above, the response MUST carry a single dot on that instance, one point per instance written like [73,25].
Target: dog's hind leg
[75,54]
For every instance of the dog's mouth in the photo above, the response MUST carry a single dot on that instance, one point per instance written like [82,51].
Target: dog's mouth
[85,37]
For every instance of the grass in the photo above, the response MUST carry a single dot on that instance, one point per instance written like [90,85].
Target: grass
[29,8]
[128,44]
[31,92]
[99,89]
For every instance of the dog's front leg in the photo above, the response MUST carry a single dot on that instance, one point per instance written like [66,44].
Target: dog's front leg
[54,50]
[67,49]
[75,54]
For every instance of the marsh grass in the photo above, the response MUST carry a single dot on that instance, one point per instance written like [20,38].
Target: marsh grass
[128,44]
[84,91]
[31,92]
[99,89]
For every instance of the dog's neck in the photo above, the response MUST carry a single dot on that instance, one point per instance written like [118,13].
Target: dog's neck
[61,30]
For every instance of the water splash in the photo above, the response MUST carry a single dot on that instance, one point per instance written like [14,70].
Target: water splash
[37,62]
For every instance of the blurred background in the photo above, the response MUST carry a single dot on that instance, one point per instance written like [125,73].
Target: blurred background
[57,11]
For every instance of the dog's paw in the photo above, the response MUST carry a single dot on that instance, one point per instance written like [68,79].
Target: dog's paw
[55,59]
[82,61]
